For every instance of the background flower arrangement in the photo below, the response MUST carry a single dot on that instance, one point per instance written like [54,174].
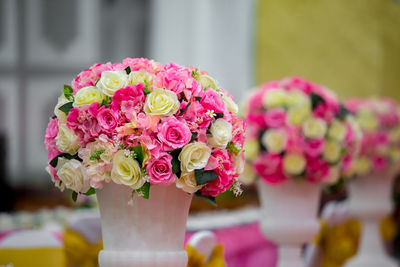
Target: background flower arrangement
[141,123]
[298,129]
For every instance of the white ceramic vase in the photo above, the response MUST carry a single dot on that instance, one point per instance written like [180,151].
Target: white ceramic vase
[149,232]
[370,201]
[289,217]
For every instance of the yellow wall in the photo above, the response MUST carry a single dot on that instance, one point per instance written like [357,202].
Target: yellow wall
[351,46]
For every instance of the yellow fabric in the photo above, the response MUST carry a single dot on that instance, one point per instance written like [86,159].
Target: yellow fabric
[198,260]
[349,46]
[78,251]
[28,257]
[339,243]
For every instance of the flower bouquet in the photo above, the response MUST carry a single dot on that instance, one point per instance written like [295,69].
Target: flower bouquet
[298,136]
[145,136]
[375,170]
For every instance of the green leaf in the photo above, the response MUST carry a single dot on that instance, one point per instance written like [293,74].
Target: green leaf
[128,70]
[54,117]
[144,191]
[67,91]
[232,148]
[96,155]
[219,115]
[66,107]
[176,167]
[194,136]
[343,112]
[202,176]
[146,91]
[186,108]
[106,102]
[316,100]
[74,196]
[54,161]
[208,199]
[196,74]
[198,98]
[139,153]
[90,192]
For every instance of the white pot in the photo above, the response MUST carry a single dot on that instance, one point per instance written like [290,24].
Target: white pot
[370,201]
[289,217]
[149,232]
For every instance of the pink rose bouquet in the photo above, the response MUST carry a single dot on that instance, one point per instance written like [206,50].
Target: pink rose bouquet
[141,123]
[298,130]
[379,120]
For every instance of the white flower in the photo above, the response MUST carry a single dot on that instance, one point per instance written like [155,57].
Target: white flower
[294,163]
[239,162]
[211,113]
[207,82]
[230,105]
[332,151]
[66,140]
[62,117]
[87,96]
[297,98]
[274,98]
[72,175]
[187,183]
[337,130]
[194,156]
[161,102]
[111,81]
[314,128]
[363,165]
[251,149]
[221,133]
[136,77]
[274,140]
[333,175]
[126,170]
[248,176]
[367,120]
[297,115]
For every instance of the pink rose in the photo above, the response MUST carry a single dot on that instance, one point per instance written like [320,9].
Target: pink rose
[82,120]
[269,167]
[316,169]
[379,163]
[107,119]
[238,130]
[159,170]
[130,98]
[52,129]
[314,147]
[275,117]
[213,101]
[173,133]
[49,140]
[89,76]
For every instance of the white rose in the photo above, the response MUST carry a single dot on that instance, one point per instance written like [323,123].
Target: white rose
[363,165]
[161,102]
[87,96]
[332,151]
[251,149]
[367,120]
[66,140]
[126,170]
[187,183]
[337,130]
[230,105]
[136,77]
[274,140]
[314,128]
[111,81]
[62,117]
[248,176]
[207,82]
[221,133]
[297,115]
[239,162]
[194,156]
[294,163]
[274,98]
[297,98]
[72,174]
[333,175]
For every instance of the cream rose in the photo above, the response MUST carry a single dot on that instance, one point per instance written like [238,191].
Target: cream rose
[297,98]
[207,82]
[194,156]
[87,96]
[111,81]
[62,117]
[248,176]
[332,151]
[221,133]
[161,102]
[251,149]
[230,105]
[72,174]
[314,128]
[297,115]
[187,183]
[275,98]
[337,130]
[363,165]
[274,140]
[66,140]
[126,170]
[136,77]
[294,163]
[367,120]
[333,176]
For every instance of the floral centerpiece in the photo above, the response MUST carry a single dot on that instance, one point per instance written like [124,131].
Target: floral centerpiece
[141,124]
[299,136]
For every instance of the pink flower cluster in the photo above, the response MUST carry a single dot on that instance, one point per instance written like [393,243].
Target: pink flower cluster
[298,129]
[379,120]
[154,113]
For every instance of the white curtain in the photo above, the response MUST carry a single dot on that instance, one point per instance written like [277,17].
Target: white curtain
[213,35]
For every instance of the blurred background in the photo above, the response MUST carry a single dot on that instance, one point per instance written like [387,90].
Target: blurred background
[353,47]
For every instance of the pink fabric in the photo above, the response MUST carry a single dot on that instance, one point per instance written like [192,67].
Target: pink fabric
[245,246]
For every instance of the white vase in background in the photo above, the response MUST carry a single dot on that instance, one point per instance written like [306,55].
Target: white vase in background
[289,217]
[149,232]
[370,202]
